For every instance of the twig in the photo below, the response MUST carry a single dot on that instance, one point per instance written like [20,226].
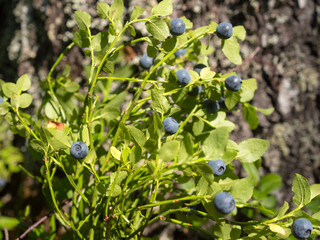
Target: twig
[248,59]
[41,220]
[6,233]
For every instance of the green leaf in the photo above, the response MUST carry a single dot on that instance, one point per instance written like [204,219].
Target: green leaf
[186,149]
[206,73]
[164,8]
[215,144]
[115,153]
[137,12]
[252,149]
[38,146]
[169,44]
[24,82]
[239,32]
[152,51]
[231,152]
[282,210]
[315,191]
[265,111]
[25,100]
[231,98]
[84,134]
[91,157]
[8,222]
[4,108]
[109,112]
[242,190]
[60,139]
[158,28]
[159,102]
[250,115]
[117,8]
[51,111]
[301,189]
[103,10]
[187,22]
[169,150]
[137,135]
[248,87]
[81,38]
[71,86]
[83,19]
[231,49]
[270,183]
[252,172]
[9,89]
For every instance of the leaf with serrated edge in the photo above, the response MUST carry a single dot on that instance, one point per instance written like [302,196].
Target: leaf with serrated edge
[301,190]
[103,10]
[83,19]
[158,28]
[159,102]
[282,210]
[252,149]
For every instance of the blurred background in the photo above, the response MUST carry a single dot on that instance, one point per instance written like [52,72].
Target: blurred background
[282,49]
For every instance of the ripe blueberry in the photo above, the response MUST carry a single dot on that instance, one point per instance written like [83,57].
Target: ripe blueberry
[170,125]
[3,182]
[197,68]
[211,106]
[180,52]
[233,83]
[1,100]
[196,91]
[177,26]
[224,30]
[146,62]
[301,228]
[183,76]
[224,202]
[79,150]
[218,166]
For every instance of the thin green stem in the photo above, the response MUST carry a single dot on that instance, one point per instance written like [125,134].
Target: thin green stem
[185,121]
[51,92]
[132,79]
[24,124]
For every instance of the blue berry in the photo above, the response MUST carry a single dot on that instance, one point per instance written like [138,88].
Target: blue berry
[180,52]
[301,228]
[211,106]
[233,83]
[218,166]
[79,150]
[224,202]
[177,26]
[224,30]
[197,68]
[170,125]
[146,62]
[196,91]
[1,100]
[183,76]
[3,182]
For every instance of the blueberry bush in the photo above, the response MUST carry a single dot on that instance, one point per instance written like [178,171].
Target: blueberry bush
[129,149]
